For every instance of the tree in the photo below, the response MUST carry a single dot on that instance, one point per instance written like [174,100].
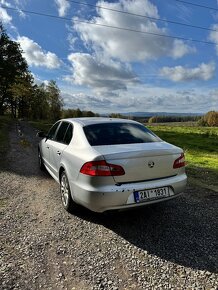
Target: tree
[55,100]
[39,107]
[153,119]
[17,89]
[210,119]
[21,92]
[13,71]
[88,114]
[116,115]
[76,113]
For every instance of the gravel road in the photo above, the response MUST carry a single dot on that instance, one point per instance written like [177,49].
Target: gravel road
[172,245]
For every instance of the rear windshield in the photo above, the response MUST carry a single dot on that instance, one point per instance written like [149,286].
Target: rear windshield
[118,133]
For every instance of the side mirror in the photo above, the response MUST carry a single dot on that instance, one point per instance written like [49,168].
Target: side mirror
[41,134]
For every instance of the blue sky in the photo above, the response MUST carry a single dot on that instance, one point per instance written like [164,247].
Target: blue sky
[105,69]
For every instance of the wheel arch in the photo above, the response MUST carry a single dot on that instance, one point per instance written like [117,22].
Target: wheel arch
[61,170]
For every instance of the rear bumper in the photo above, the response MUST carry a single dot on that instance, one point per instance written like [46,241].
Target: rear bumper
[110,197]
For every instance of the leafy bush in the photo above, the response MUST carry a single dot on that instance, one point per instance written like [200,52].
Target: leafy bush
[210,119]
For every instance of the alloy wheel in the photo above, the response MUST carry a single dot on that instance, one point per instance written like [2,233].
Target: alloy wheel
[65,191]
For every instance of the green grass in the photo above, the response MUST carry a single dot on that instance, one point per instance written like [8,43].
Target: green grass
[5,123]
[41,125]
[201,149]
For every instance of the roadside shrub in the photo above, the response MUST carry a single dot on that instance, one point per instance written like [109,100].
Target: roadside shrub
[202,122]
[210,119]
[153,119]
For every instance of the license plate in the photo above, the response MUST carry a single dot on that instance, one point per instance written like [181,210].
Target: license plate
[154,193]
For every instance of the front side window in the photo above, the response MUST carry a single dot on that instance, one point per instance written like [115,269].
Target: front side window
[68,135]
[61,132]
[118,133]
[52,131]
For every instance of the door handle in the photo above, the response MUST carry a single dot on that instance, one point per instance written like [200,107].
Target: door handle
[58,152]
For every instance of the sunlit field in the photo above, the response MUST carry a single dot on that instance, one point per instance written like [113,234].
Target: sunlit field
[200,145]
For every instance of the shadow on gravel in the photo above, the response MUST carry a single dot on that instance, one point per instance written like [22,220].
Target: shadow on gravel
[182,231]
[25,168]
[22,158]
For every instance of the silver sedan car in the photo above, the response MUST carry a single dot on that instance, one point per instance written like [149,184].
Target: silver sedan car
[105,164]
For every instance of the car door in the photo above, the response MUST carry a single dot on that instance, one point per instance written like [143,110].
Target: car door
[57,147]
[45,144]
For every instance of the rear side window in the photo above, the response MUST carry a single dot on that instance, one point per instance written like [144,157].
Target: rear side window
[118,133]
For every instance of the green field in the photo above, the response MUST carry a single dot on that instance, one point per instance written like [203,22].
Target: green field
[201,149]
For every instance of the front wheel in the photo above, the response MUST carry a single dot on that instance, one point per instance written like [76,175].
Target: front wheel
[66,198]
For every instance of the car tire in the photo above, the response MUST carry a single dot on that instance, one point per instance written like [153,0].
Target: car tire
[66,197]
[40,160]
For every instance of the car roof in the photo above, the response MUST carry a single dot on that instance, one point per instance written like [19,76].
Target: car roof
[97,120]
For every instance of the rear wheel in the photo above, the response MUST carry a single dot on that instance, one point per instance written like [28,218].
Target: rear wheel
[66,198]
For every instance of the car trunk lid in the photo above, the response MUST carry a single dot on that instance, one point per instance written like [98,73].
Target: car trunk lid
[142,161]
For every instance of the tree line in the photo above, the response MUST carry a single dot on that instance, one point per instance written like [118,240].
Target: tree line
[210,119]
[166,119]
[77,113]
[19,95]
[23,98]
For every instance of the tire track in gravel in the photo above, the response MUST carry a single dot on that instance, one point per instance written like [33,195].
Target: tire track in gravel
[166,246]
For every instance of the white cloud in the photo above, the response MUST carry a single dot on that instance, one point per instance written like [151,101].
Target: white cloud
[174,100]
[126,45]
[179,49]
[36,56]
[98,74]
[214,36]
[63,6]
[87,102]
[5,3]
[141,98]
[179,73]
[38,80]
[4,16]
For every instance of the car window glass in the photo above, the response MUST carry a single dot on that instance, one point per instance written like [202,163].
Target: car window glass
[68,134]
[52,131]
[61,132]
[118,133]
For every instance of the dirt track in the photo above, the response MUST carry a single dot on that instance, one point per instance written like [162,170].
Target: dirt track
[172,245]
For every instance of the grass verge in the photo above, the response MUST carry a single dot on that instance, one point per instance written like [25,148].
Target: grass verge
[5,123]
[41,125]
[201,149]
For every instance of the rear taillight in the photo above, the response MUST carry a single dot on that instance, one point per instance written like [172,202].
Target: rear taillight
[179,162]
[101,168]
